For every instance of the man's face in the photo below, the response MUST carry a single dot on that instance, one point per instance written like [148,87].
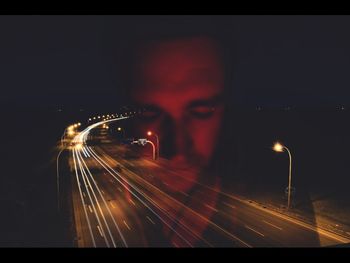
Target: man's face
[180,82]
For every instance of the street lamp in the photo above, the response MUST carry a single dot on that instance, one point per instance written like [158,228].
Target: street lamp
[149,133]
[58,178]
[278,147]
[143,142]
[119,129]
[68,131]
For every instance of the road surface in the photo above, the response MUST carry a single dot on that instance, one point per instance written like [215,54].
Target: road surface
[122,202]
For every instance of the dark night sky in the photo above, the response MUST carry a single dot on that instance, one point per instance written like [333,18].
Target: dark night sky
[60,62]
[294,60]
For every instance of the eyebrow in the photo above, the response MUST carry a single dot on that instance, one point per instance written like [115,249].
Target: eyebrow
[149,107]
[211,101]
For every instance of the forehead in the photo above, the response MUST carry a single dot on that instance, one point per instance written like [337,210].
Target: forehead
[180,69]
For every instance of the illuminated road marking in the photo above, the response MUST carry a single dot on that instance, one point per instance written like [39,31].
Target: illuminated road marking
[82,200]
[99,230]
[97,158]
[120,190]
[88,186]
[272,225]
[150,220]
[84,153]
[132,202]
[100,209]
[126,225]
[102,192]
[109,169]
[184,193]
[212,208]
[82,137]
[90,209]
[232,206]
[84,194]
[112,205]
[254,230]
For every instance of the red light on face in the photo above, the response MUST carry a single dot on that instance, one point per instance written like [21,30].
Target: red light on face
[149,133]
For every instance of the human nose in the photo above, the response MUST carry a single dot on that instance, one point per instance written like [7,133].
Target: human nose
[176,140]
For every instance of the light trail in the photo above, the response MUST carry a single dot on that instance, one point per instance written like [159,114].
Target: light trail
[106,205]
[90,189]
[82,200]
[88,151]
[109,169]
[234,237]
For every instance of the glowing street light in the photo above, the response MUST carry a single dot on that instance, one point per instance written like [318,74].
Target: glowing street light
[71,132]
[119,129]
[278,147]
[149,133]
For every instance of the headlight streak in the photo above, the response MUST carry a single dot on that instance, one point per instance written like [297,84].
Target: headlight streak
[88,151]
[104,201]
[89,188]
[234,237]
[138,191]
[86,154]
[82,200]
[184,227]
[81,138]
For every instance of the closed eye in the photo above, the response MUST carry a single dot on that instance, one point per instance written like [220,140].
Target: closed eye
[202,111]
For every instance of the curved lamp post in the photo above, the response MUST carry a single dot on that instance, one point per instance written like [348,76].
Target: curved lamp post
[120,129]
[149,133]
[143,142]
[278,147]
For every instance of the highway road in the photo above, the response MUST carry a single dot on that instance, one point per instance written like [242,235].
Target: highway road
[120,201]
